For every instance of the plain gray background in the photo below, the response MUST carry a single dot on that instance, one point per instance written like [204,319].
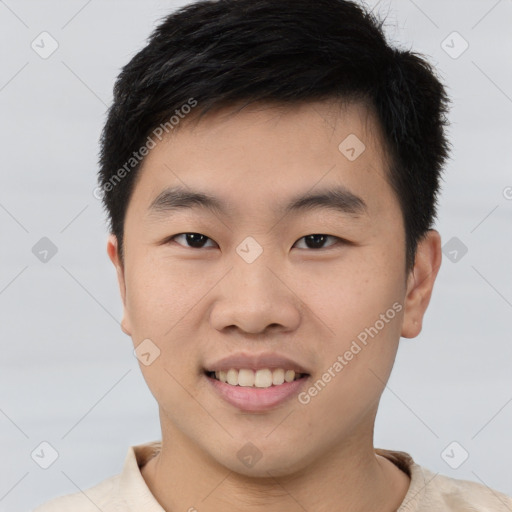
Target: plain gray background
[67,372]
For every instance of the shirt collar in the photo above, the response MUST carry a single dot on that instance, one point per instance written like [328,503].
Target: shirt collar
[133,489]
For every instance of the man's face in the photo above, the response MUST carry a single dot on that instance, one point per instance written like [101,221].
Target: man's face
[253,282]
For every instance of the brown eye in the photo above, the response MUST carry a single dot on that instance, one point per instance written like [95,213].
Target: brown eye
[317,241]
[194,240]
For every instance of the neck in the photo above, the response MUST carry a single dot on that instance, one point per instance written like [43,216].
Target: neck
[350,477]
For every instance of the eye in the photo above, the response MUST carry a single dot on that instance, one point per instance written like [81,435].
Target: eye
[195,240]
[198,240]
[316,241]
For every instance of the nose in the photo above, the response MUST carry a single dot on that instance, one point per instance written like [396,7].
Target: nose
[255,297]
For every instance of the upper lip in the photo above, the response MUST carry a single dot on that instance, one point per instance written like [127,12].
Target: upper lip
[270,360]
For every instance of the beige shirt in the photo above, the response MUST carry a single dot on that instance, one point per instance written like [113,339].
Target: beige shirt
[428,491]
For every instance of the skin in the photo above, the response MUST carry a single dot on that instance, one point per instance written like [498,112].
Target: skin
[201,304]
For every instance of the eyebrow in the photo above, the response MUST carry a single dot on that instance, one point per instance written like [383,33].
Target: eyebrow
[337,198]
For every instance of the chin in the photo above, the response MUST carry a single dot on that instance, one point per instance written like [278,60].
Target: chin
[265,463]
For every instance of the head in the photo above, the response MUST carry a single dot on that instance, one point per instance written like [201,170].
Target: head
[273,123]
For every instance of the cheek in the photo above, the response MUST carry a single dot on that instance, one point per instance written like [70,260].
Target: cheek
[159,294]
[350,296]
[160,301]
[362,306]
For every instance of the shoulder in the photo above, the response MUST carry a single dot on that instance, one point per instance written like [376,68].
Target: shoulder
[111,495]
[434,491]
[430,491]
[103,496]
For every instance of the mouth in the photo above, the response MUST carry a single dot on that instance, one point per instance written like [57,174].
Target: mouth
[259,390]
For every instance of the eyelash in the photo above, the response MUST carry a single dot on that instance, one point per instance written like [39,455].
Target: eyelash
[338,240]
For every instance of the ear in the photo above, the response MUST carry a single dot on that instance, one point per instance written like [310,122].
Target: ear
[420,283]
[113,254]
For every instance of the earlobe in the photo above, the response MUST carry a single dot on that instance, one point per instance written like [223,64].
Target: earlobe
[420,283]
[113,254]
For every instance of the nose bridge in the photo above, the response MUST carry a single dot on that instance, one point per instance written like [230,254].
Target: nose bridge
[252,281]
[252,259]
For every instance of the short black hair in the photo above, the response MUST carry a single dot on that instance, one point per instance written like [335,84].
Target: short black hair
[217,53]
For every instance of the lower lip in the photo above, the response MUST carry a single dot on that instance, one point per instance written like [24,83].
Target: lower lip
[257,399]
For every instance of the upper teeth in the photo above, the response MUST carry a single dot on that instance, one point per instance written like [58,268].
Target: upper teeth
[261,378]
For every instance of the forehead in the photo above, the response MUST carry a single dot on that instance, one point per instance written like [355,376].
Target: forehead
[262,158]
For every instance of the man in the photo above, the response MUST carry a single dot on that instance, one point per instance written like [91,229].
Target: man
[271,171]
